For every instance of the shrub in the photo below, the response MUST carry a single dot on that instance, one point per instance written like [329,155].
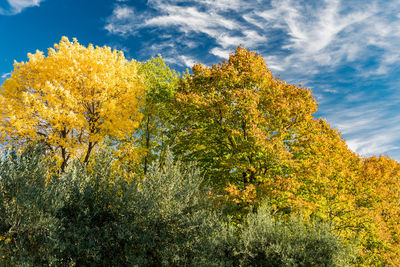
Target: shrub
[266,240]
[25,223]
[83,217]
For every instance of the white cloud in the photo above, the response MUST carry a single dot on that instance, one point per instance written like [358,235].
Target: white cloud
[123,12]
[16,6]
[376,145]
[189,62]
[191,19]
[224,5]
[370,128]
[122,21]
[6,75]
[321,33]
[222,53]
[200,17]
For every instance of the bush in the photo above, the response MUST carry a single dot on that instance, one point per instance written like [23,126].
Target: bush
[25,223]
[84,217]
[265,240]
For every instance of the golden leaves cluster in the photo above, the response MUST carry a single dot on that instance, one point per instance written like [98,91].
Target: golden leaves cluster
[71,99]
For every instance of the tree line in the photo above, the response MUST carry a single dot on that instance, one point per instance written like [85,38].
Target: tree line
[253,138]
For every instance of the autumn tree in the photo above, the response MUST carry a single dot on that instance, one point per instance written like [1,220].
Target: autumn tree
[71,99]
[358,197]
[378,201]
[237,120]
[255,136]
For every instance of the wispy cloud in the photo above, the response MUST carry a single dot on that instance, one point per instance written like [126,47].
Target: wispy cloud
[321,34]
[318,33]
[189,62]
[370,127]
[5,75]
[220,52]
[16,6]
[122,21]
[190,19]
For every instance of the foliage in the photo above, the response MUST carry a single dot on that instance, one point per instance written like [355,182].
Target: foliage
[82,219]
[150,140]
[377,196]
[325,177]
[358,197]
[265,240]
[70,99]
[255,136]
[24,222]
[237,119]
[252,135]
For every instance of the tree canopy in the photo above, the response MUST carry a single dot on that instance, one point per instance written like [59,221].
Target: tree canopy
[238,120]
[256,137]
[71,99]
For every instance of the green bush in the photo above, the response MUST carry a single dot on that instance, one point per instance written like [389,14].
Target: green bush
[25,223]
[265,240]
[84,218]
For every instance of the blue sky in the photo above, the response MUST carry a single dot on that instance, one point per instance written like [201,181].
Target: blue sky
[346,51]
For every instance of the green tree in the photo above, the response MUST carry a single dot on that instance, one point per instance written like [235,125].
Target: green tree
[237,120]
[151,139]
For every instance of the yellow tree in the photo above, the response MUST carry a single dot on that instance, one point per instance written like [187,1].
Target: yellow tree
[70,99]
[378,199]
[359,197]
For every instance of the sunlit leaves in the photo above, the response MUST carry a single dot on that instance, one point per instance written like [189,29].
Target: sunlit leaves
[71,99]
[149,141]
[255,136]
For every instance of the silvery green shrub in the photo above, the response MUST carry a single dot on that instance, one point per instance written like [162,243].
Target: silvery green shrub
[88,217]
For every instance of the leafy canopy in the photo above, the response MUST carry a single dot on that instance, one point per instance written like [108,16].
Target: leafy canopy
[70,99]
[238,120]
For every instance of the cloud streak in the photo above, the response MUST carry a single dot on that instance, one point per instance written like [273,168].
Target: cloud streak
[16,6]
[318,33]
[5,75]
[122,21]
